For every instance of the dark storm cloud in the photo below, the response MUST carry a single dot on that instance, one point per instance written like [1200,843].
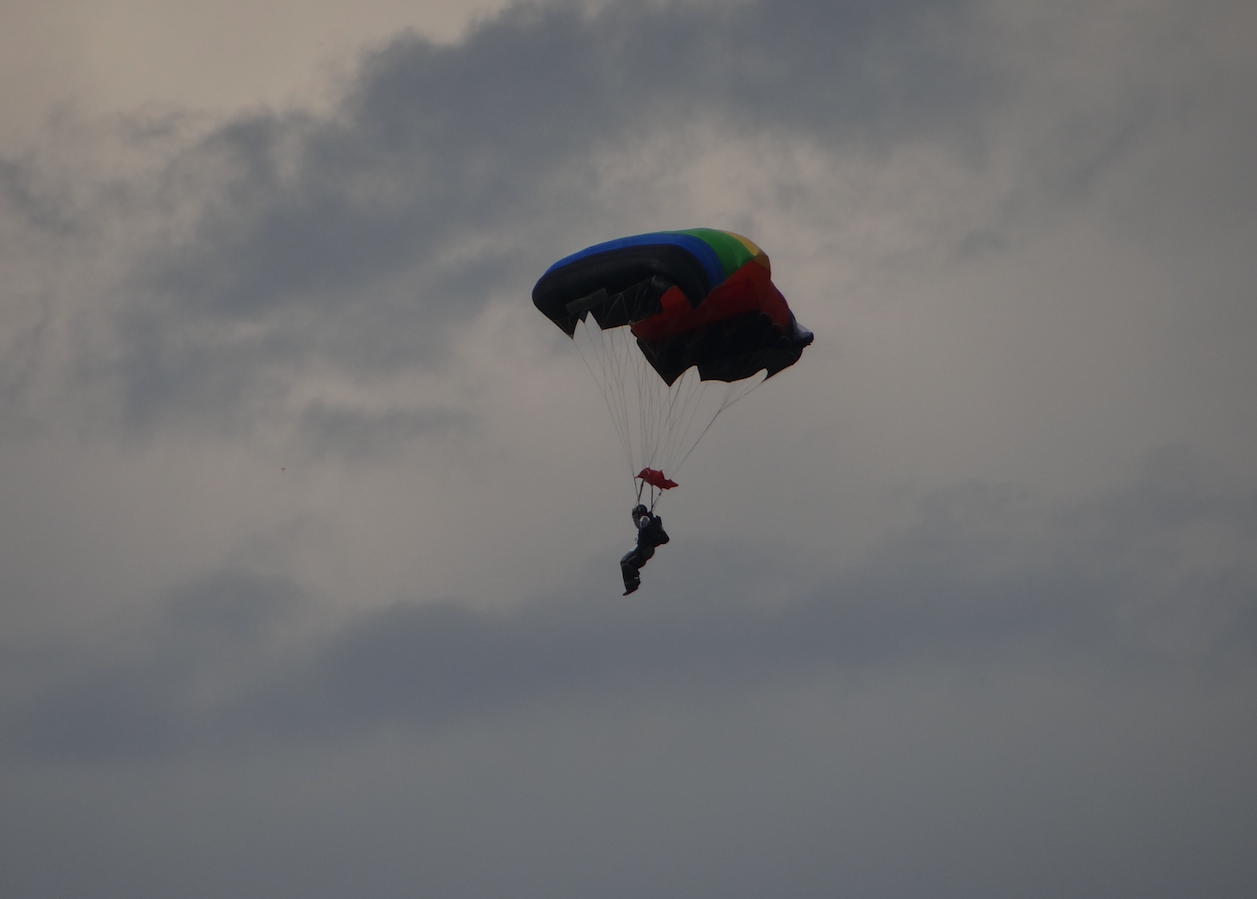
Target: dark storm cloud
[984,572]
[294,239]
[361,239]
[32,203]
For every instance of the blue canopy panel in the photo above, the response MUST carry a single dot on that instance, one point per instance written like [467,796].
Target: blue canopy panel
[695,246]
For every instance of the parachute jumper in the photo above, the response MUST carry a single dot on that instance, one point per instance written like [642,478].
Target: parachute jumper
[675,314]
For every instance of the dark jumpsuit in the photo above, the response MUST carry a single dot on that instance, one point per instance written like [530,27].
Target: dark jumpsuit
[650,533]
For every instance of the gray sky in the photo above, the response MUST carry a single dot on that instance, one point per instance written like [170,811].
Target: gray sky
[309,521]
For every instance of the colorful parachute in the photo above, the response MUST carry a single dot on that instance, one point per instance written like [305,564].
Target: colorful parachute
[671,310]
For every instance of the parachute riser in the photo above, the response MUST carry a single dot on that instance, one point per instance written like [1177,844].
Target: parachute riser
[655,495]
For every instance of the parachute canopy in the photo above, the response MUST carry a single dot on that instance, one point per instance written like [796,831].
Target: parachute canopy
[660,320]
[698,298]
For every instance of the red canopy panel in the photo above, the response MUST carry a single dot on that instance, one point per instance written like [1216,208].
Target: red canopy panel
[749,289]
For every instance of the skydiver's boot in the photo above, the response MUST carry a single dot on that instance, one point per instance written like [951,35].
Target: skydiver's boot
[631,586]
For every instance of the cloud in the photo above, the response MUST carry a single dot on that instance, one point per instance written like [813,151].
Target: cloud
[282,242]
[1155,576]
[309,574]
[231,274]
[1084,671]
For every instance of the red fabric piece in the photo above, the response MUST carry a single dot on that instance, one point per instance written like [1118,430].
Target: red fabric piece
[749,289]
[656,478]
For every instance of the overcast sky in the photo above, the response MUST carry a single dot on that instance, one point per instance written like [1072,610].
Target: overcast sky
[309,520]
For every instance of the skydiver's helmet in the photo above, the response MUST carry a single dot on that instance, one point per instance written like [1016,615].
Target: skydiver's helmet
[639,512]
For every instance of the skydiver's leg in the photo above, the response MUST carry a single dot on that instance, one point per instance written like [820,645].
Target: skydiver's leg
[629,566]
